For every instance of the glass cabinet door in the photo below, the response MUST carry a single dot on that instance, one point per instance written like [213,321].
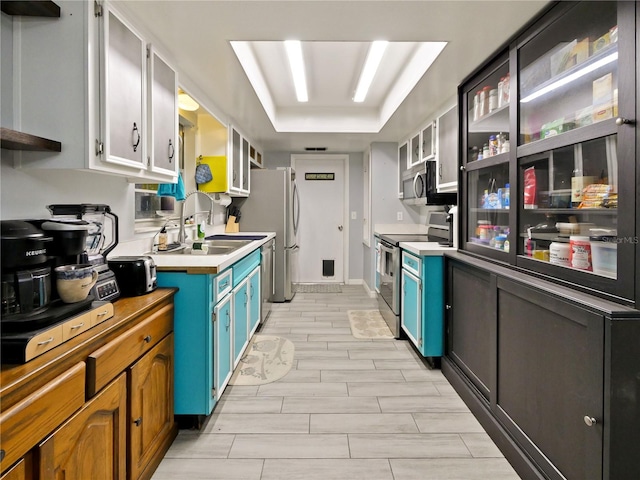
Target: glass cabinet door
[488,206]
[488,116]
[569,206]
[568,75]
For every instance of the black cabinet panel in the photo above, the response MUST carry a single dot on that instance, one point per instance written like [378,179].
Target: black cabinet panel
[550,376]
[471,323]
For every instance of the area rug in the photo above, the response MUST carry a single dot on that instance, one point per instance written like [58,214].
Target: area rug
[318,288]
[368,324]
[267,359]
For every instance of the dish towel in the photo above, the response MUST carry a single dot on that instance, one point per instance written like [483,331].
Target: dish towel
[175,190]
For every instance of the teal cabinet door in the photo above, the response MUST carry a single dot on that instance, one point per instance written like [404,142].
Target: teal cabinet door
[223,360]
[193,342]
[411,308]
[240,319]
[255,299]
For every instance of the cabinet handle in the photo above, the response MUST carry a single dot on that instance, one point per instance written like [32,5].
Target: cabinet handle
[624,121]
[75,327]
[172,151]
[440,171]
[49,340]
[138,421]
[590,421]
[136,132]
[228,321]
[102,314]
[147,339]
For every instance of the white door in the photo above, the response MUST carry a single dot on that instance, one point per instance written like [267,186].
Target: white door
[321,183]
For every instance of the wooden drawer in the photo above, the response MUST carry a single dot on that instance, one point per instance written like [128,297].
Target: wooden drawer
[99,315]
[43,342]
[107,362]
[30,420]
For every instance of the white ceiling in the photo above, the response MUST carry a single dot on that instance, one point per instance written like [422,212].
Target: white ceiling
[196,35]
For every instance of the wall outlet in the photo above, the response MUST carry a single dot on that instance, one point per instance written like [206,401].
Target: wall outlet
[399,216]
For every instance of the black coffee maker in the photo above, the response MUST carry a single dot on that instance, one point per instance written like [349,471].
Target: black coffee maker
[26,274]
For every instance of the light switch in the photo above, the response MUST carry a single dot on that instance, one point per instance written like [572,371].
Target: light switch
[354,215]
[399,216]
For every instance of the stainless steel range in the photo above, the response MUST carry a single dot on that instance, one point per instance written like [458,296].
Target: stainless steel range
[388,266]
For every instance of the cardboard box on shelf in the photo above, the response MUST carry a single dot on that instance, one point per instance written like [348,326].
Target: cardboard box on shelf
[564,58]
[603,98]
[581,51]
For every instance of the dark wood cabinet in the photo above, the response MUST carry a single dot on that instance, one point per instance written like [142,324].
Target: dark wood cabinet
[549,371]
[562,129]
[471,325]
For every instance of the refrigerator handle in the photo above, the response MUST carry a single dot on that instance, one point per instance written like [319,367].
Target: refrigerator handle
[296,208]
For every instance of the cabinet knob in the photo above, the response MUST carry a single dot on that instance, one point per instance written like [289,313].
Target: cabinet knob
[589,421]
[462,168]
[147,339]
[448,307]
[624,121]
[138,421]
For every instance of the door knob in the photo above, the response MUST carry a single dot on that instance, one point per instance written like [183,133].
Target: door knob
[340,227]
[590,421]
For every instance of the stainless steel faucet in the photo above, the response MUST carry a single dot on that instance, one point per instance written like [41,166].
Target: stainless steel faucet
[181,233]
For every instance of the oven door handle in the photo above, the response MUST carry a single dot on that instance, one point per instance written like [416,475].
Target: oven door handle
[387,249]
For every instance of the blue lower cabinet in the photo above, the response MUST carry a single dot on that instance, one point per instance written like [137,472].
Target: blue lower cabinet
[422,307]
[212,315]
[193,343]
[240,319]
[223,359]
[255,300]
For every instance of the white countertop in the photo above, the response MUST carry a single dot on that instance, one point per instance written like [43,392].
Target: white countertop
[425,249]
[197,264]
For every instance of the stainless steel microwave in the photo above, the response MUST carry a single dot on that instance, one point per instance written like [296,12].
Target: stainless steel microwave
[419,186]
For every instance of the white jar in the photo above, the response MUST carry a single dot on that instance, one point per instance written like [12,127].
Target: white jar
[559,254]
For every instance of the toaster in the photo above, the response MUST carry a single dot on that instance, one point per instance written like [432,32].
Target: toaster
[135,275]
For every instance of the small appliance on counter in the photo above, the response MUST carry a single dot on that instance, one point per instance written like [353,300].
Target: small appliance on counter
[34,317]
[135,275]
[102,238]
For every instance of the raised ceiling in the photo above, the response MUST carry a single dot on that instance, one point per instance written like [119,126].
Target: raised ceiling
[197,34]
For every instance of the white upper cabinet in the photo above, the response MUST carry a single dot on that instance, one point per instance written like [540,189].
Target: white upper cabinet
[447,157]
[164,120]
[90,81]
[124,93]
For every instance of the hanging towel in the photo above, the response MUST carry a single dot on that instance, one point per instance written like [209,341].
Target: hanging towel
[175,190]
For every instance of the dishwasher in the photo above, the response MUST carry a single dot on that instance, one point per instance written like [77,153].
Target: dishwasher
[267,277]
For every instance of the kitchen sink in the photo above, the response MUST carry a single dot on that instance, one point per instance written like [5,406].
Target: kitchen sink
[214,247]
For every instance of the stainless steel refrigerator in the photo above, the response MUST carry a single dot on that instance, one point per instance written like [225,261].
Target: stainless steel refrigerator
[274,206]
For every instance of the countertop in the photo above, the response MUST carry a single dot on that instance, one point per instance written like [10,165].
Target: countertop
[204,264]
[425,249]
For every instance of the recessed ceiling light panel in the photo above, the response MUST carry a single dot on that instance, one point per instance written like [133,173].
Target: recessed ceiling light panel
[374,57]
[296,63]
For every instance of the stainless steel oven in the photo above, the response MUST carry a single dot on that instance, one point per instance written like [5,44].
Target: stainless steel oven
[414,186]
[388,283]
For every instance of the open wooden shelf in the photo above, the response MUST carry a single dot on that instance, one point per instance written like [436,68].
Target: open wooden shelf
[32,9]
[13,140]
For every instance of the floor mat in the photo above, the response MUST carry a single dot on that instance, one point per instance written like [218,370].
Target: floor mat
[267,359]
[368,324]
[318,288]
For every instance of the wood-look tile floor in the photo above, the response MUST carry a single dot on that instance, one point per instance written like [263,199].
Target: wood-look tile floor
[348,409]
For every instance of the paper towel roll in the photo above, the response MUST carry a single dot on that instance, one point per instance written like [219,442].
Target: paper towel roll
[223,199]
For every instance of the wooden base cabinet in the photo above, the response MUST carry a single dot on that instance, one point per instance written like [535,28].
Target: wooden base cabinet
[554,376]
[92,443]
[99,406]
[150,409]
